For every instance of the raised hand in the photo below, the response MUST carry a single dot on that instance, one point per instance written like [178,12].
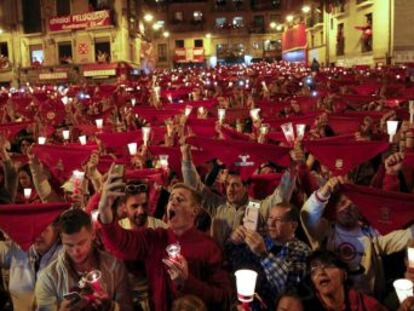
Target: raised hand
[393,164]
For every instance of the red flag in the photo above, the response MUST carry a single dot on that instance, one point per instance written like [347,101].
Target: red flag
[341,156]
[386,211]
[62,160]
[25,222]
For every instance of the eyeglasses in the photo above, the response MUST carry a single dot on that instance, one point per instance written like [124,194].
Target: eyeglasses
[136,188]
[318,267]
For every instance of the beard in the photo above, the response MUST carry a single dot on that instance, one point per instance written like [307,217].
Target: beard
[140,220]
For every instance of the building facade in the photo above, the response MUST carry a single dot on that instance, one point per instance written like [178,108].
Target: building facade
[68,40]
[225,30]
[360,32]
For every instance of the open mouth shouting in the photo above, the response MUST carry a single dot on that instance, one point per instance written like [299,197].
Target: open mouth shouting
[171,214]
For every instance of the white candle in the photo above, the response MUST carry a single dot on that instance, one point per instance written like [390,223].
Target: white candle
[27,193]
[188,110]
[264,129]
[392,129]
[245,283]
[254,113]
[41,140]
[133,102]
[82,139]
[145,134]
[221,114]
[132,148]
[404,289]
[164,161]
[99,123]
[66,134]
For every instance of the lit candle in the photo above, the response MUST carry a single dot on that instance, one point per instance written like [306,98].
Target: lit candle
[264,129]
[82,139]
[221,115]
[254,113]
[145,134]
[164,161]
[133,102]
[99,123]
[27,193]
[66,134]
[188,110]
[404,289]
[245,283]
[132,148]
[392,129]
[41,140]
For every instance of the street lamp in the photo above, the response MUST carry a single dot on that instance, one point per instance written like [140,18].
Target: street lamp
[273,25]
[148,17]
[279,27]
[306,9]
[166,34]
[208,35]
[289,18]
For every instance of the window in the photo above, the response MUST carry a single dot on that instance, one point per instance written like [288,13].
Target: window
[367,34]
[259,23]
[198,43]
[340,40]
[198,16]
[178,16]
[4,49]
[65,52]
[102,50]
[162,52]
[62,7]
[32,21]
[36,54]
[220,22]
[97,5]
[179,43]
[238,22]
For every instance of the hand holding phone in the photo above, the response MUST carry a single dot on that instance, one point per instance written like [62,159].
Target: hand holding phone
[73,297]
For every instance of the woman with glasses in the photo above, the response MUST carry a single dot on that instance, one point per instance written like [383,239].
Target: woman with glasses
[332,289]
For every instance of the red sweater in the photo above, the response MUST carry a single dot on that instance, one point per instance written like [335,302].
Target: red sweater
[206,278]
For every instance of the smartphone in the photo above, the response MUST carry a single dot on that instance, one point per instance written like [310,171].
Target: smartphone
[251,215]
[74,297]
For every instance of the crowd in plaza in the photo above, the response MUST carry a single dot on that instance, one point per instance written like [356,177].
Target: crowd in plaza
[149,194]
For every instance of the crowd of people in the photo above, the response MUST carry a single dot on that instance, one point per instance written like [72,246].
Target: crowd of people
[150,194]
